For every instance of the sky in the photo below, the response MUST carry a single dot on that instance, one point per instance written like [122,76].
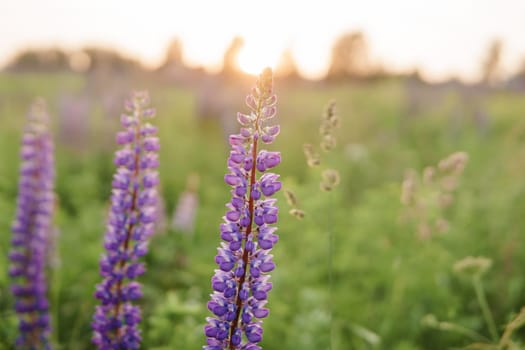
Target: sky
[446,38]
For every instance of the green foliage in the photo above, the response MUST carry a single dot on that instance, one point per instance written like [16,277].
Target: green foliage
[385,279]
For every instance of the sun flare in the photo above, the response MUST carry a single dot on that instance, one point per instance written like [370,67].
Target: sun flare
[252,60]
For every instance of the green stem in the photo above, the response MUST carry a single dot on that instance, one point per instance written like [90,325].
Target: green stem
[55,295]
[330,271]
[453,327]
[482,300]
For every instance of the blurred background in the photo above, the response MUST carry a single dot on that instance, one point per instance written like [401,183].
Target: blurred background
[371,264]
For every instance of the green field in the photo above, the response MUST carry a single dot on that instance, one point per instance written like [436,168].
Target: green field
[353,273]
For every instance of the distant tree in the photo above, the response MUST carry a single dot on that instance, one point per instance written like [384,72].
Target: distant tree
[521,68]
[520,72]
[517,80]
[174,53]
[52,59]
[349,57]
[79,61]
[287,68]
[491,69]
[108,60]
[230,65]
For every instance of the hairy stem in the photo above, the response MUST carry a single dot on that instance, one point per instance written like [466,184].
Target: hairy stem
[245,255]
[454,327]
[129,229]
[330,271]
[487,314]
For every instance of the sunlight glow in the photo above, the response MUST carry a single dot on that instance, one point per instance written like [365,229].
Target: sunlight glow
[442,46]
[253,60]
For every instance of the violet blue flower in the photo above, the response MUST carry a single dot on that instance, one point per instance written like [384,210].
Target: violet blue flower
[31,230]
[241,283]
[130,224]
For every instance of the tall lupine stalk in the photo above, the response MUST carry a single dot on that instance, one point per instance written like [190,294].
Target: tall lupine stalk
[241,284]
[130,224]
[31,229]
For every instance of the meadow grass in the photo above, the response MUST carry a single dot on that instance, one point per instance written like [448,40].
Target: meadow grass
[385,279]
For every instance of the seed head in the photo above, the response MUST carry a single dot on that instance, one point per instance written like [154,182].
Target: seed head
[408,187]
[312,157]
[330,120]
[328,142]
[454,163]
[291,199]
[331,177]
[428,174]
[473,266]
[298,213]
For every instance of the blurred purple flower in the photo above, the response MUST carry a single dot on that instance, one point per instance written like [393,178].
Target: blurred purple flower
[241,284]
[73,120]
[131,222]
[185,211]
[187,205]
[31,230]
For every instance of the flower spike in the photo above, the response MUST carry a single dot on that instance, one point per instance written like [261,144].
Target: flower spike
[241,282]
[31,231]
[131,222]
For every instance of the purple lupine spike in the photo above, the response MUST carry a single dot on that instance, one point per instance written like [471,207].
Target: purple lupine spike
[31,230]
[131,222]
[241,283]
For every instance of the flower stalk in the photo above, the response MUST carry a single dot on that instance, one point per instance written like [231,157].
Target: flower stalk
[131,223]
[31,230]
[241,283]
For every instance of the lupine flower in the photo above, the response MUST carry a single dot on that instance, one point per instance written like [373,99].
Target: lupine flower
[241,283]
[130,224]
[187,205]
[161,223]
[31,231]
